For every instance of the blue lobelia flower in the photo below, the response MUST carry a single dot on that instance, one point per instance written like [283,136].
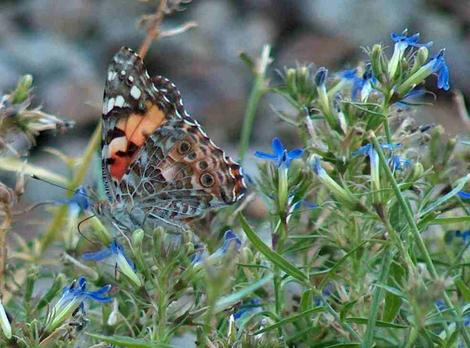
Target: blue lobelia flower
[361,85]
[280,155]
[78,202]
[464,194]
[398,163]
[465,235]
[320,76]
[402,42]
[73,297]
[231,242]
[437,65]
[115,253]
[247,309]
[410,98]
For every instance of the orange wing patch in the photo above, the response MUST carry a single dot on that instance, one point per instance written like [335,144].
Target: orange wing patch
[135,129]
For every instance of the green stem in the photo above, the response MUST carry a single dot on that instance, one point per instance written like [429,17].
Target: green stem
[417,236]
[257,91]
[376,299]
[56,224]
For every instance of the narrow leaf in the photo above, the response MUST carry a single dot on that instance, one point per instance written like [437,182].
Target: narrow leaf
[273,256]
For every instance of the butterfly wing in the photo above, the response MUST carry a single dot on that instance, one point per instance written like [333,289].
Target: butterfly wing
[156,158]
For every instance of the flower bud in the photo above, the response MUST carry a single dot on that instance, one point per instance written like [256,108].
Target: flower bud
[377,62]
[22,89]
[137,237]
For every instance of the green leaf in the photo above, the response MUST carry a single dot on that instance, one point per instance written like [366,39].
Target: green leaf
[233,298]
[464,289]
[391,290]
[450,220]
[379,323]
[345,309]
[273,256]
[460,183]
[344,345]
[289,319]
[130,342]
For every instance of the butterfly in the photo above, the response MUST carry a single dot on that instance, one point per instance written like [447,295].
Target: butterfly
[159,167]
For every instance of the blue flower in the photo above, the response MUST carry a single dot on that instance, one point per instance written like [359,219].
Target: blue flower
[368,148]
[78,202]
[406,41]
[361,85]
[326,292]
[115,253]
[465,235]
[398,163]
[280,155]
[321,76]
[440,305]
[248,308]
[439,67]
[231,242]
[304,203]
[464,195]
[410,98]
[73,297]
[349,74]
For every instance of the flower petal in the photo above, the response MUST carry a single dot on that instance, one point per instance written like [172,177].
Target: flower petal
[98,255]
[265,155]
[464,195]
[278,148]
[296,153]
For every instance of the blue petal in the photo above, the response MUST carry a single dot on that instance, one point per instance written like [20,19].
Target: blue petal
[390,146]
[321,76]
[98,255]
[464,195]
[349,74]
[278,148]
[229,238]
[296,153]
[363,150]
[265,155]
[443,78]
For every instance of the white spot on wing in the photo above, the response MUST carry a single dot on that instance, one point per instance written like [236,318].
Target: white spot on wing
[135,92]
[119,101]
[107,107]
[111,75]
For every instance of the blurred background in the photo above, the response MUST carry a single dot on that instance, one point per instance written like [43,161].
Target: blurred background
[66,46]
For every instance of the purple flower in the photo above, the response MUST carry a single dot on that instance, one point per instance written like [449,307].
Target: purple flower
[367,149]
[464,195]
[280,155]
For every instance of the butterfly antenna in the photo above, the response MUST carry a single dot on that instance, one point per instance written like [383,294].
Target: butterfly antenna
[81,233]
[87,195]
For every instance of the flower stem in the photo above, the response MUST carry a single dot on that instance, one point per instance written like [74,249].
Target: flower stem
[377,297]
[256,93]
[417,236]
[57,222]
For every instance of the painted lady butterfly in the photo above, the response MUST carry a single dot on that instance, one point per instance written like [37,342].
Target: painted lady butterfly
[159,167]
